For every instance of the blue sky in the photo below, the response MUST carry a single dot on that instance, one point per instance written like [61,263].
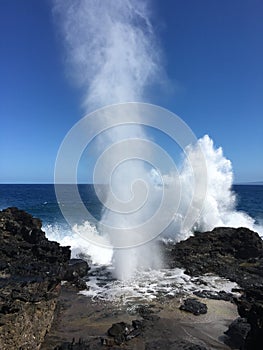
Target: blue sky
[213,54]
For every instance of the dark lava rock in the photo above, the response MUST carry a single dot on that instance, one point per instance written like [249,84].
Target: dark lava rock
[76,268]
[32,268]
[236,254]
[76,271]
[167,344]
[250,306]
[222,295]
[122,331]
[194,306]
[237,333]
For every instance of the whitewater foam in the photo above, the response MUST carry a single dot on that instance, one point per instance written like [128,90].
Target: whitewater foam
[150,285]
[219,209]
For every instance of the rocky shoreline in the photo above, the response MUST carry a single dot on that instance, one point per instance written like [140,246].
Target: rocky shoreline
[32,295]
[236,254]
[31,271]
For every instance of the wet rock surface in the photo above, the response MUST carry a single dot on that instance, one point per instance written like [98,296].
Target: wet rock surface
[158,325]
[122,331]
[208,294]
[194,306]
[31,268]
[236,254]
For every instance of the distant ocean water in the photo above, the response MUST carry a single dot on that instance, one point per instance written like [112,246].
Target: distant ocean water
[40,201]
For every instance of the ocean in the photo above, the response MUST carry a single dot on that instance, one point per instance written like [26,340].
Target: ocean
[41,202]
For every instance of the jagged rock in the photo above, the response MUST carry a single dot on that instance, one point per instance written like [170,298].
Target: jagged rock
[250,306]
[76,272]
[237,333]
[194,306]
[236,254]
[31,271]
[221,295]
[123,331]
[76,268]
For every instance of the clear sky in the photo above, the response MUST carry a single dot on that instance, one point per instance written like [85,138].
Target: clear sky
[213,54]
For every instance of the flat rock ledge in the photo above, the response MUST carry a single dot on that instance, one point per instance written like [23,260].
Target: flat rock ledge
[236,254]
[31,270]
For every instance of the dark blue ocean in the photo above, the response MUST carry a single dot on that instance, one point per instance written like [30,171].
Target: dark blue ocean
[40,201]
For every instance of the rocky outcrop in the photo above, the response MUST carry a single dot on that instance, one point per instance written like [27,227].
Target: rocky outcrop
[31,269]
[250,306]
[236,254]
[76,272]
[237,333]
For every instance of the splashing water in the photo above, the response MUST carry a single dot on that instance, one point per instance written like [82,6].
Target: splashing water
[113,56]
[219,208]
[112,50]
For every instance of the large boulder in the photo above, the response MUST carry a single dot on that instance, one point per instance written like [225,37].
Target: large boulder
[31,269]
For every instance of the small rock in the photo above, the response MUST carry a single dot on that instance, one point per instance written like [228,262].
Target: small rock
[194,306]
[76,268]
[118,328]
[123,331]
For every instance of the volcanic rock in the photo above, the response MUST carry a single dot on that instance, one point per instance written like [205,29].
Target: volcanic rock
[194,306]
[75,273]
[123,331]
[236,254]
[209,294]
[237,333]
[250,306]
[31,269]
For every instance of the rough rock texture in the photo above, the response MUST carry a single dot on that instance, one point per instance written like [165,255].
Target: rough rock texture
[76,273]
[194,306]
[250,306]
[208,294]
[122,331]
[236,254]
[31,269]
[237,333]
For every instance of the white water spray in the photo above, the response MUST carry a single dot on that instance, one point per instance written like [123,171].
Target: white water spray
[113,56]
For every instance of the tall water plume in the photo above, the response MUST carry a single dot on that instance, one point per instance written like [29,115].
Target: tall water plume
[113,55]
